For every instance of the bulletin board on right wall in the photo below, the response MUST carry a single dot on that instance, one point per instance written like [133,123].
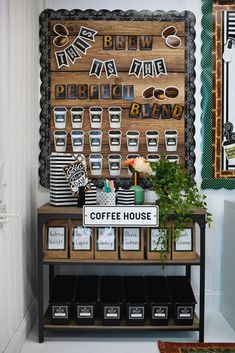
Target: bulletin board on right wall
[218,90]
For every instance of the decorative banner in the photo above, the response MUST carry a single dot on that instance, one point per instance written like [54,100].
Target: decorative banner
[110,68]
[97,66]
[71,51]
[81,44]
[150,68]
[87,33]
[61,59]
[135,68]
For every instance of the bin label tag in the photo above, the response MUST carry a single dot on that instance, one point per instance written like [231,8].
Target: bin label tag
[136,312]
[112,312]
[184,312]
[159,312]
[85,311]
[60,311]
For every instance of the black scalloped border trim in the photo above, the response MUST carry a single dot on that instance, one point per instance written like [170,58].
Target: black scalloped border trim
[117,15]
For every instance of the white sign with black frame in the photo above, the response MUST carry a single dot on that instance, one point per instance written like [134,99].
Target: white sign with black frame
[130,216]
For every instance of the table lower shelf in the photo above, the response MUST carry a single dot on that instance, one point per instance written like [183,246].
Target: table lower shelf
[98,326]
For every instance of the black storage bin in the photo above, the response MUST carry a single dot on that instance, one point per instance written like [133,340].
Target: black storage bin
[111,298]
[135,300]
[86,298]
[183,299]
[61,300]
[158,300]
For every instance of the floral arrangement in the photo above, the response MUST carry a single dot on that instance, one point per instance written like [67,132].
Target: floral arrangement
[138,164]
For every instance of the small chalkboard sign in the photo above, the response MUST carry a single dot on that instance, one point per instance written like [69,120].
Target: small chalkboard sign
[76,176]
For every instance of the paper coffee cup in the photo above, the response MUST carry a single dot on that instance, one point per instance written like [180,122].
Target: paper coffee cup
[77,114]
[77,139]
[114,161]
[95,138]
[171,140]
[115,116]
[60,140]
[132,138]
[60,114]
[172,158]
[96,162]
[229,149]
[153,158]
[152,139]
[115,140]
[96,117]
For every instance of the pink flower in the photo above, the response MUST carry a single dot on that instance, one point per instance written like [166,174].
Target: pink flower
[141,165]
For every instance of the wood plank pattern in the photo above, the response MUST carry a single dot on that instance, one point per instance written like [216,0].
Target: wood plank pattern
[78,74]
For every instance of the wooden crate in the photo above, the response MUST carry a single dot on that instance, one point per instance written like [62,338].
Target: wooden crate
[131,243]
[156,251]
[81,240]
[55,240]
[106,243]
[185,247]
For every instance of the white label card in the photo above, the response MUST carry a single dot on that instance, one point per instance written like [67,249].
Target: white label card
[155,240]
[184,243]
[106,239]
[56,238]
[131,239]
[82,238]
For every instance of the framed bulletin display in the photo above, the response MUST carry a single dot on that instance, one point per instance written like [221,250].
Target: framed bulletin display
[114,84]
[218,72]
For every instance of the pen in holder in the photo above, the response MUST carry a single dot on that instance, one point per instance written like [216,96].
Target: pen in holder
[108,195]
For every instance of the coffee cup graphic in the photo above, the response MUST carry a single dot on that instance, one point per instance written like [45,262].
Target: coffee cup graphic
[60,114]
[96,117]
[152,139]
[60,140]
[95,138]
[114,161]
[115,117]
[229,149]
[115,140]
[96,162]
[152,158]
[77,115]
[133,137]
[172,158]
[171,140]
[77,139]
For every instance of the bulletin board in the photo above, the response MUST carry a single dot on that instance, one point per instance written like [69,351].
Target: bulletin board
[218,73]
[138,63]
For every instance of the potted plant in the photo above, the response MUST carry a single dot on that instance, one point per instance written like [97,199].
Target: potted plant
[177,195]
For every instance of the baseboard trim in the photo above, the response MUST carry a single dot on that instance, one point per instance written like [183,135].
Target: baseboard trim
[17,341]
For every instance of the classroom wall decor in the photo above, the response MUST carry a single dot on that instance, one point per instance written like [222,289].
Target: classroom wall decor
[114,84]
[218,70]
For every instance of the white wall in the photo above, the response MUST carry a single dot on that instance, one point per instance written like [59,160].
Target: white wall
[215,198]
[18,168]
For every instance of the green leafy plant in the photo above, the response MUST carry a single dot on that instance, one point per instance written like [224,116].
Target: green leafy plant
[178,195]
